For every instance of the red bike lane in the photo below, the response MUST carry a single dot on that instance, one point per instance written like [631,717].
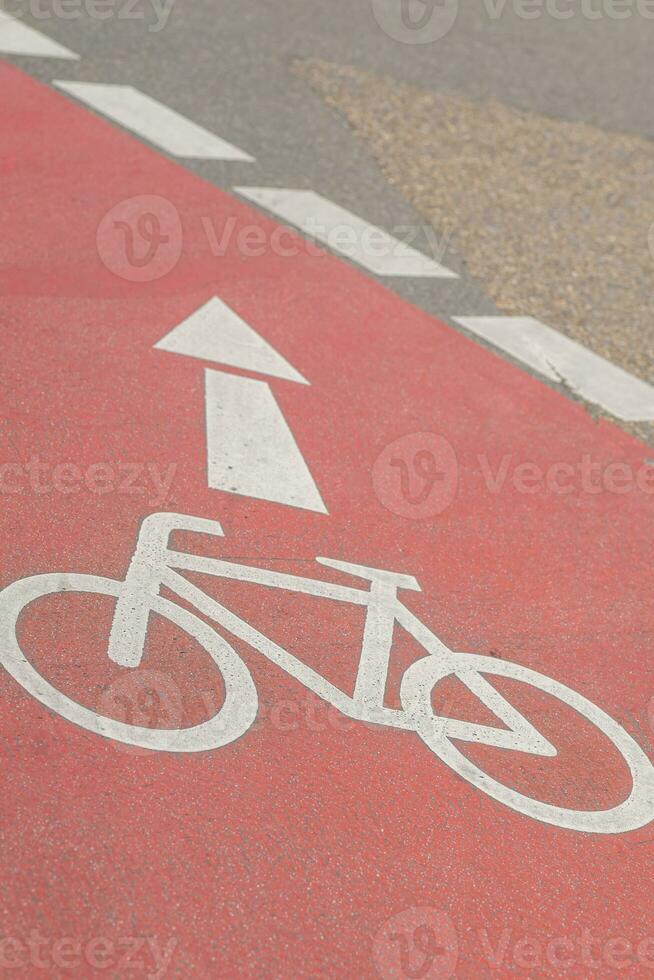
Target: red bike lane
[314,844]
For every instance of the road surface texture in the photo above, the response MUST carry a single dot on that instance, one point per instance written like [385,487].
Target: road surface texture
[327,482]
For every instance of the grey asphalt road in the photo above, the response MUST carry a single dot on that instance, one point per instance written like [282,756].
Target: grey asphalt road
[226,65]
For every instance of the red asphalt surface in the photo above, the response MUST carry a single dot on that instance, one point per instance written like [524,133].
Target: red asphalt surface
[291,851]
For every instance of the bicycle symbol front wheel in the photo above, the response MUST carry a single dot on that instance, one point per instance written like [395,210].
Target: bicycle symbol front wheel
[416,691]
[235,716]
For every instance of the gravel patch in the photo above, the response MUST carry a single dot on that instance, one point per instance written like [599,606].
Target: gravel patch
[554,218]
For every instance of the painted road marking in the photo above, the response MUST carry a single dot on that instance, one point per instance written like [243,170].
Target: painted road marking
[19,38]
[216,333]
[250,447]
[344,232]
[561,359]
[151,567]
[153,121]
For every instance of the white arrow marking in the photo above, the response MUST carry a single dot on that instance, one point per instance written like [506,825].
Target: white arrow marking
[216,333]
[153,121]
[560,359]
[250,448]
[17,38]
[344,232]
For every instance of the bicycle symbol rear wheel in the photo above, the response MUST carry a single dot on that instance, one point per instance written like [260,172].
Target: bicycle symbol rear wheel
[416,691]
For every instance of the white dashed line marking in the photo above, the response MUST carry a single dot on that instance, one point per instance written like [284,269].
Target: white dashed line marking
[18,38]
[216,333]
[250,448]
[339,229]
[155,122]
[560,359]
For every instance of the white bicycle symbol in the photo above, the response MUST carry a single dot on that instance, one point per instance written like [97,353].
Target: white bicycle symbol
[155,565]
